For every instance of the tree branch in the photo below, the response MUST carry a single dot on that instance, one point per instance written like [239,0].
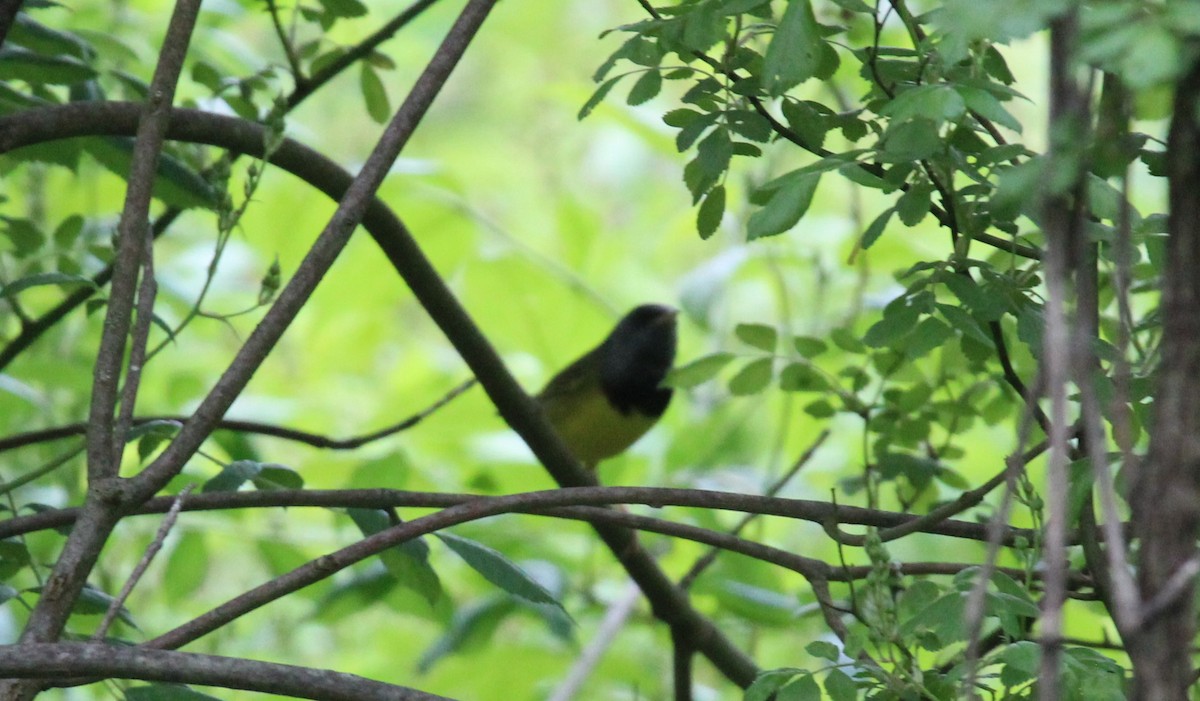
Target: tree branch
[315,440]
[59,660]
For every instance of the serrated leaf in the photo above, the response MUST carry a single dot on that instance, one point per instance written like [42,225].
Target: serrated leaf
[498,569]
[711,211]
[898,321]
[988,106]
[912,140]
[698,371]
[792,56]
[767,683]
[785,207]
[645,88]
[929,334]
[802,688]
[598,96]
[840,686]
[753,378]
[760,336]
[875,229]
[913,205]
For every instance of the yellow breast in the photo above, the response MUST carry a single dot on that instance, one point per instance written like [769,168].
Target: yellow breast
[592,429]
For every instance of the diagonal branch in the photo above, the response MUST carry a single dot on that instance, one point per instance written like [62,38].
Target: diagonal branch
[59,660]
[100,513]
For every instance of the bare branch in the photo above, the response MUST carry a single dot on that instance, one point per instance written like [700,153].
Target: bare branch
[59,660]
[100,513]
[315,440]
[156,544]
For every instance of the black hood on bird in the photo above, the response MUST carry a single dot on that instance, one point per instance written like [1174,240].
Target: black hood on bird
[636,357]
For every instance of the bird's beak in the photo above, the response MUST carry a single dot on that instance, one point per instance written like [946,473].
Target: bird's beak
[668,315]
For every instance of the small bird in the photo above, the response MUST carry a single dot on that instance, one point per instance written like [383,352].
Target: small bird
[608,398]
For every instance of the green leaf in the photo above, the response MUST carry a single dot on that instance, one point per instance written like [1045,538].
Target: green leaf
[753,378]
[176,183]
[24,235]
[930,334]
[498,570]
[645,88]
[598,96]
[840,686]
[374,94]
[151,434]
[847,341]
[275,476]
[898,320]
[477,620]
[407,562]
[785,207]
[698,371]
[14,556]
[913,140]
[805,119]
[792,55]
[233,476]
[703,26]
[39,38]
[823,649]
[808,346]
[712,210]
[875,229]
[801,377]
[41,279]
[760,336]
[67,231]
[1021,661]
[937,103]
[913,205]
[767,683]
[802,688]
[344,8]
[988,106]
[38,69]
[166,692]
[93,602]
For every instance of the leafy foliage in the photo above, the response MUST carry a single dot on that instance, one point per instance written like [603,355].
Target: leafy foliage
[870,196]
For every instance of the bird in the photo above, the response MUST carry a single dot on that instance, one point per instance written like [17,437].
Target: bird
[612,395]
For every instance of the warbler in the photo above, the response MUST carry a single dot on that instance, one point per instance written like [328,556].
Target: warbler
[608,398]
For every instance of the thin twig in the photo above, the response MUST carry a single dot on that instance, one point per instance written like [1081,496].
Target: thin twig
[152,549]
[137,351]
[315,440]
[708,558]
[614,620]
